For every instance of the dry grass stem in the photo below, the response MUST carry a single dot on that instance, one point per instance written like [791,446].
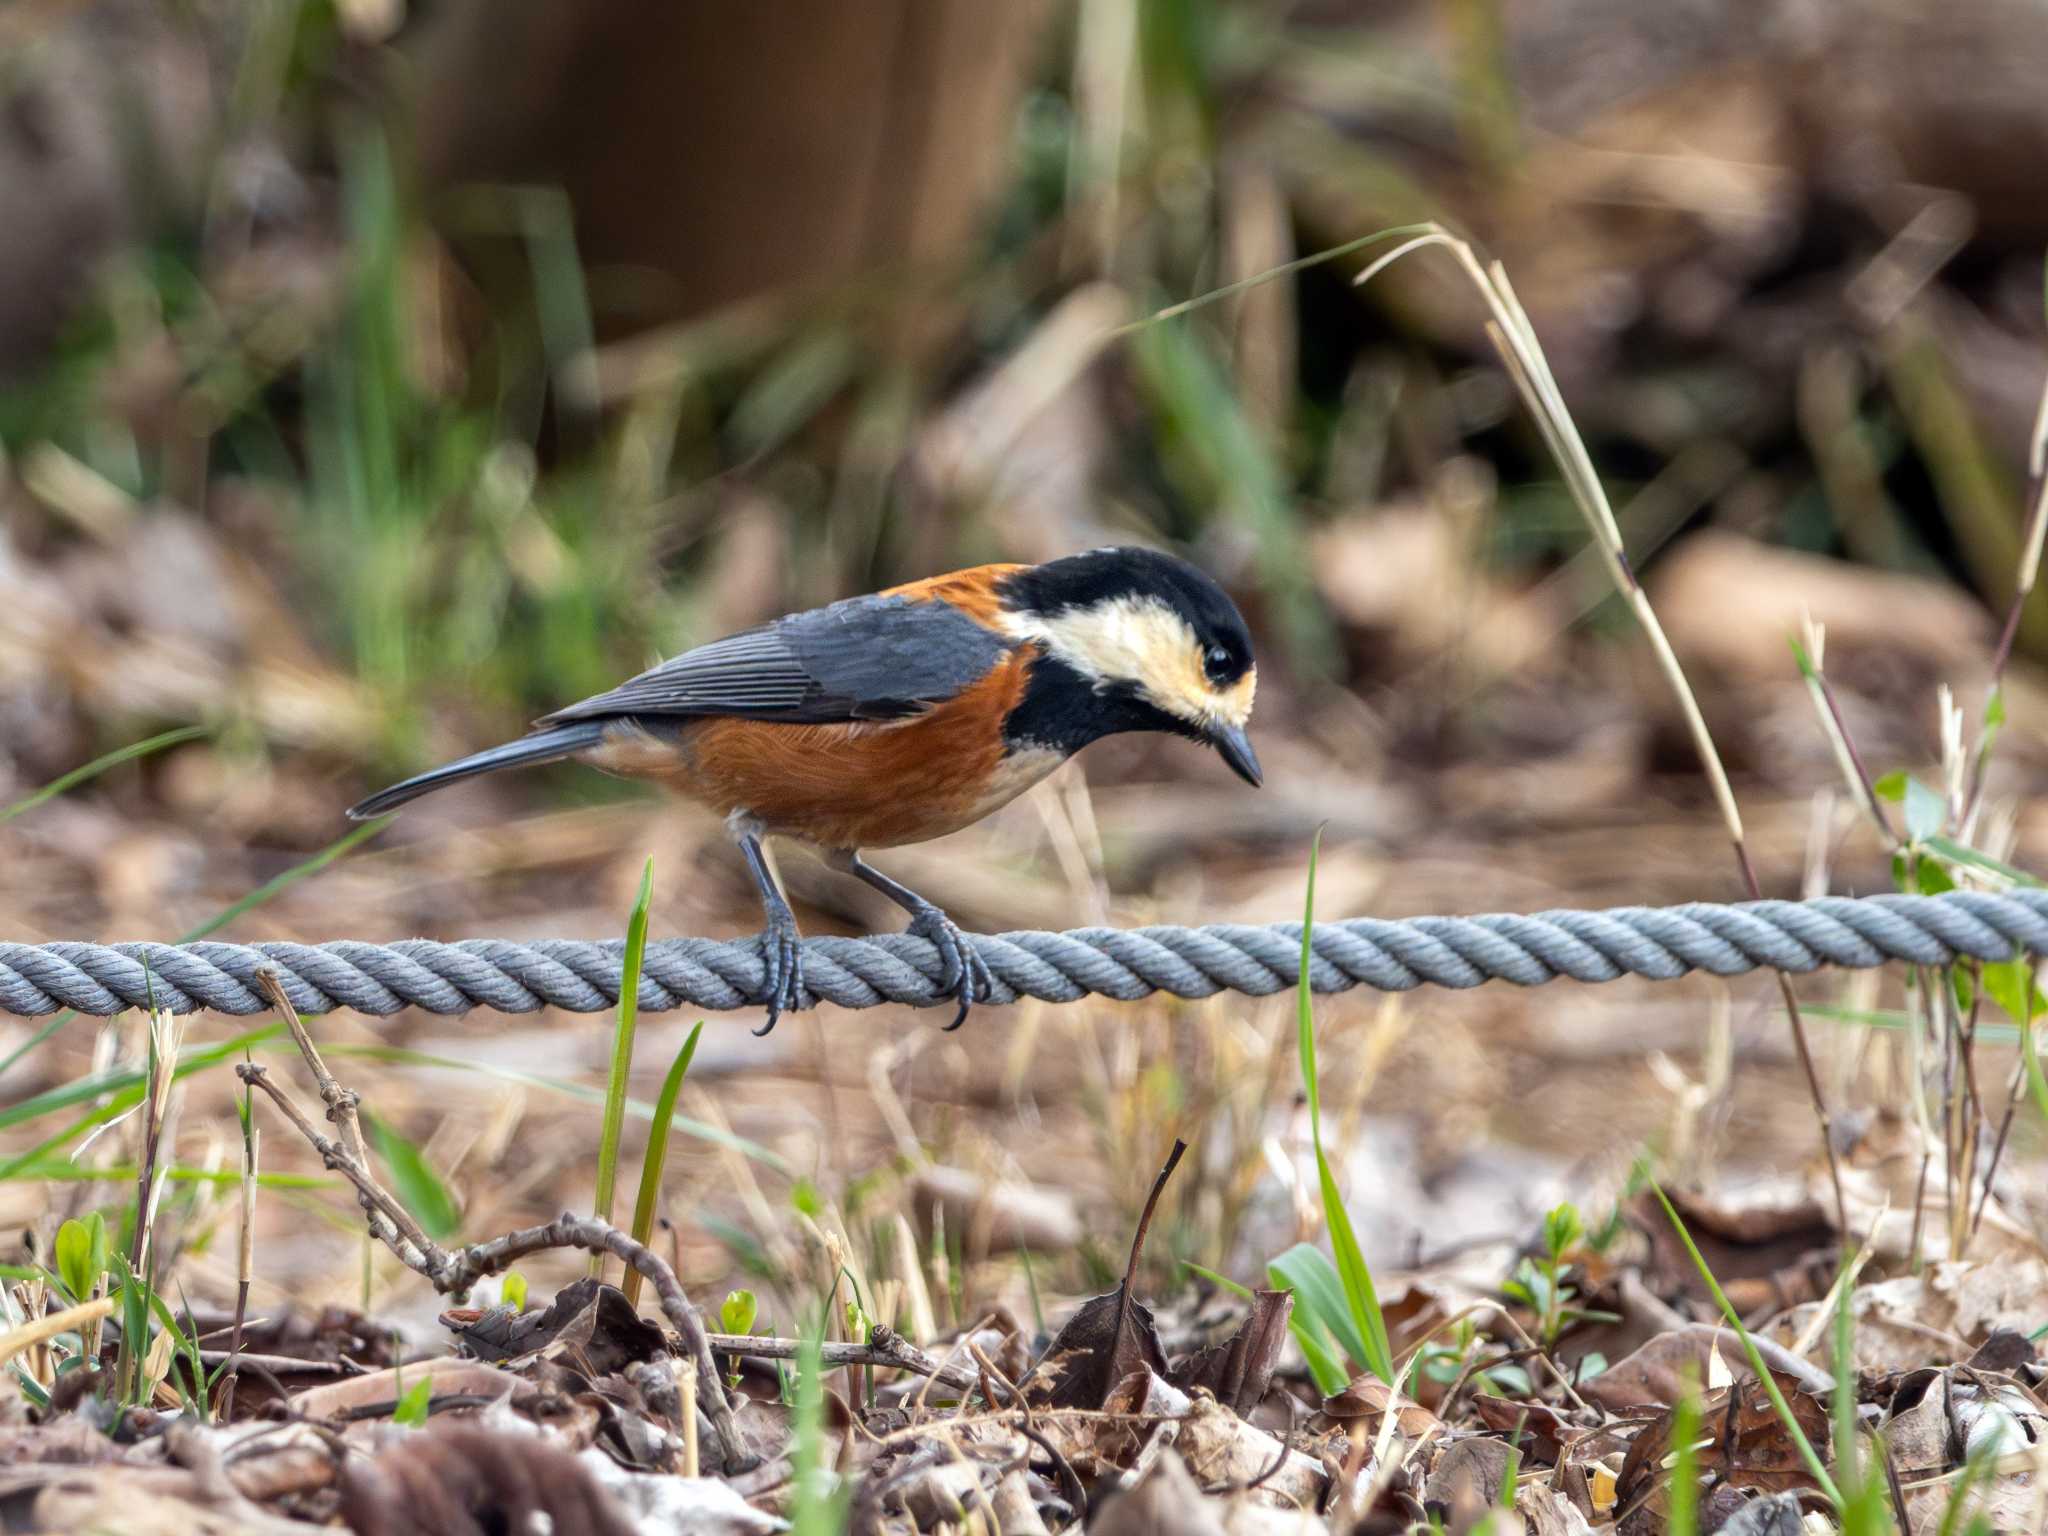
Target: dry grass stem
[1522,354]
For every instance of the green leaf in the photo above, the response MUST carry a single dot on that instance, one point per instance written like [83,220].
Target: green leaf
[417,1185]
[656,1157]
[1211,449]
[1319,1351]
[512,1290]
[1994,709]
[74,1258]
[1930,879]
[1892,786]
[622,1055]
[1370,1328]
[737,1313]
[412,1408]
[1925,811]
[1318,1295]
[2008,982]
[1562,1228]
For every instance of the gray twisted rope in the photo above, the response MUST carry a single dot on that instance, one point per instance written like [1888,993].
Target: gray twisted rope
[1391,956]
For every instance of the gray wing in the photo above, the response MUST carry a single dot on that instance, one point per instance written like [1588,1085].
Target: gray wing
[868,658]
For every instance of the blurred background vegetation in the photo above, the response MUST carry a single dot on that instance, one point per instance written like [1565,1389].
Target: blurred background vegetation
[378,376]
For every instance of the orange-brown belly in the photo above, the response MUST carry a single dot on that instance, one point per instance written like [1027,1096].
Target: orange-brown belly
[868,785]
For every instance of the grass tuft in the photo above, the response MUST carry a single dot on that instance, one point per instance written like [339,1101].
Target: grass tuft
[656,1158]
[1351,1310]
[622,1056]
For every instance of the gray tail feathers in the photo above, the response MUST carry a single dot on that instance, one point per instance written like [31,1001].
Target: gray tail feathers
[541,747]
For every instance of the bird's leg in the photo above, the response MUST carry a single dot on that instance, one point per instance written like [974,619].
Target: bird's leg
[963,972]
[781,944]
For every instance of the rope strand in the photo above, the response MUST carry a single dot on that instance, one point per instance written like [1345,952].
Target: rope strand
[1127,964]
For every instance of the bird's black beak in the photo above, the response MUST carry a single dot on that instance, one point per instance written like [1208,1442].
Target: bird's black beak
[1235,747]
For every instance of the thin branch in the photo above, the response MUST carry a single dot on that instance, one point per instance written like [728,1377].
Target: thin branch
[885,1347]
[453,1272]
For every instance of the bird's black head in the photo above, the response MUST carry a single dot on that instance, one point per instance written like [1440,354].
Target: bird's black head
[1134,640]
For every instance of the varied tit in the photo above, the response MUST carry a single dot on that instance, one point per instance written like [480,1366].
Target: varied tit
[906,715]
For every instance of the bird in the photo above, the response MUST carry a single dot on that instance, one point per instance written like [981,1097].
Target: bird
[907,714]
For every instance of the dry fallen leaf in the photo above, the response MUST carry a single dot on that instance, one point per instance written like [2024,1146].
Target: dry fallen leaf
[1238,1371]
[1745,1447]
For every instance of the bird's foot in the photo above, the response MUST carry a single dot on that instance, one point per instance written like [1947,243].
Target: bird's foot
[782,955]
[963,973]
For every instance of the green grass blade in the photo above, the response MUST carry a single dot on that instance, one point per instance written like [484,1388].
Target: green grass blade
[57,1170]
[1764,1378]
[817,1509]
[100,765]
[291,877]
[655,1161]
[639,1109]
[1221,1282]
[125,1083]
[2030,1057]
[418,1186]
[1682,1513]
[127,1088]
[1319,1295]
[1948,848]
[622,1055]
[1866,1499]
[1324,1366]
[1360,1294]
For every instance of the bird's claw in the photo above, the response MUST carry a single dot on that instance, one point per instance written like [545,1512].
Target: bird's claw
[962,972]
[782,957]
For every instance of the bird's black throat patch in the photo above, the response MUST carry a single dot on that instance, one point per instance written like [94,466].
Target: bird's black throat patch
[1063,711]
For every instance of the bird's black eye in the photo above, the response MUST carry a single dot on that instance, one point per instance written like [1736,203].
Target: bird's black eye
[1218,663]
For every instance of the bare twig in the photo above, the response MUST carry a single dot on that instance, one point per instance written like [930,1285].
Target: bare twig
[2012,1104]
[286,1365]
[454,1271]
[885,1347]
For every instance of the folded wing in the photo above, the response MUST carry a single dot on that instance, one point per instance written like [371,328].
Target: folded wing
[868,658]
